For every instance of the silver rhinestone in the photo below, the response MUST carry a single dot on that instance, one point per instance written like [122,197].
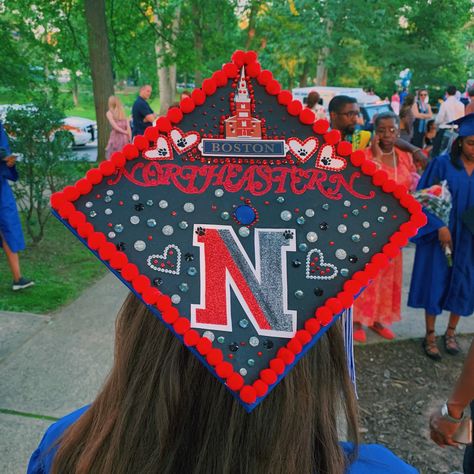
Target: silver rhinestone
[365,249]
[251,362]
[183,225]
[139,245]
[134,219]
[244,231]
[309,212]
[347,203]
[209,335]
[355,212]
[300,220]
[302,247]
[118,228]
[109,192]
[280,199]
[253,341]
[167,230]
[221,339]
[381,218]
[344,272]
[111,235]
[384,209]
[299,294]
[225,215]
[175,299]
[188,207]
[163,204]
[184,287]
[355,238]
[341,254]
[149,202]
[243,372]
[192,271]
[108,211]
[219,193]
[92,214]
[341,228]
[365,224]
[243,323]
[89,204]
[151,223]
[311,237]
[325,206]
[285,215]
[135,197]
[107,199]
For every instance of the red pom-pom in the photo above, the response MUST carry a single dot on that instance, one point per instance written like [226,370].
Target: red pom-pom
[362,277]
[260,387]
[107,168]
[94,176]
[230,70]
[214,356]
[368,167]
[150,295]
[357,158]
[187,105]
[344,148]
[294,107]
[164,302]
[204,346]
[140,142]
[220,78]
[269,376]
[209,86]
[284,97]
[248,394]
[163,123]
[71,193]
[332,137]
[141,283]
[391,250]
[85,230]
[277,365]
[379,177]
[352,287]
[191,338]
[273,87]
[321,126]
[406,200]
[83,186]
[76,219]
[151,134]
[286,355]
[250,57]
[389,185]
[238,58]
[129,272]
[181,325]
[335,305]
[130,151]
[324,315]
[107,251]
[419,220]
[118,158]
[224,369]
[303,336]
[170,315]
[175,115]
[399,239]
[253,69]
[235,381]
[57,200]
[95,240]
[312,325]
[307,116]
[118,261]
[409,228]
[380,259]
[265,77]
[371,270]
[66,209]
[400,191]
[346,299]
[294,346]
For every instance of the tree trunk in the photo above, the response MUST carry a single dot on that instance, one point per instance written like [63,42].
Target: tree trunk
[254,8]
[304,74]
[321,69]
[101,68]
[75,90]
[198,47]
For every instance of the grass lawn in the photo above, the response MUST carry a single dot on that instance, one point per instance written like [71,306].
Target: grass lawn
[61,267]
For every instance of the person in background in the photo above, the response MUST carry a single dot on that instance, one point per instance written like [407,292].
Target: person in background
[403,95]
[11,234]
[422,112]
[313,103]
[379,305]
[120,134]
[450,110]
[184,94]
[142,114]
[430,135]
[407,118]
[443,270]
[395,102]
[470,107]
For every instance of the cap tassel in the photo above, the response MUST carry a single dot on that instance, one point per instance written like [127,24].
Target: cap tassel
[349,345]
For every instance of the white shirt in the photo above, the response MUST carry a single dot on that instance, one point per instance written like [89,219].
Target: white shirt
[451,109]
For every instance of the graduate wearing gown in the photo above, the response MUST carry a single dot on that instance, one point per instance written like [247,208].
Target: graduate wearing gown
[436,286]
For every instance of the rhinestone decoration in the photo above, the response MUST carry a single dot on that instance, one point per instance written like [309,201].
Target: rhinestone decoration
[347,203]
[192,271]
[109,192]
[107,199]
[251,362]
[134,220]
[296,263]
[311,237]
[254,341]
[188,207]
[244,231]
[139,207]
[183,225]
[302,247]
[353,258]
[209,335]
[158,281]
[323,226]
[233,347]
[111,235]
[325,206]
[341,228]
[355,238]
[243,372]
[300,220]
[285,216]
[221,339]
[309,212]
[384,209]
[184,287]
[92,214]
[175,299]
[163,204]
[167,230]
[299,294]
[381,218]
[318,291]
[118,228]
[355,212]
[268,344]
[89,204]
[280,199]
[341,254]
[135,197]
[151,223]
[344,272]
[139,245]
[149,202]
[365,249]
[189,257]
[365,224]
[243,323]
[225,215]
[219,193]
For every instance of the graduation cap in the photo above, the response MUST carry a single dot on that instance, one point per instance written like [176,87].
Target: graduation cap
[244,225]
[465,125]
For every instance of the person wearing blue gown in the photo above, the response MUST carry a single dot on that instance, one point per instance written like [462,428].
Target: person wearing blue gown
[11,235]
[436,285]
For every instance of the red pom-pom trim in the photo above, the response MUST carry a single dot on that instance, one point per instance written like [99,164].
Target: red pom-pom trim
[368,167]
[400,191]
[353,287]
[380,259]
[303,336]
[284,97]
[85,230]
[181,325]
[269,376]
[129,272]
[286,355]
[371,270]
[379,177]
[344,148]
[294,346]
[409,228]
[253,69]
[57,200]
[175,115]
[204,346]
[265,77]
[277,365]
[238,58]
[335,305]
[66,209]
[419,220]
[389,185]
[235,381]
[140,142]
[118,158]
[150,295]
[250,57]
[94,176]
[118,261]
[231,70]
[357,158]
[332,137]
[107,168]
[214,356]
[95,240]
[170,315]
[294,107]
[191,338]
[399,239]
[312,325]
[224,369]
[164,302]
[273,87]
[187,105]
[71,193]
[209,86]
[391,250]
[321,126]
[107,251]
[151,134]
[346,299]
[141,283]
[76,219]
[130,151]
[361,277]
[260,387]
[324,315]
[220,78]
[307,116]
[248,394]
[163,123]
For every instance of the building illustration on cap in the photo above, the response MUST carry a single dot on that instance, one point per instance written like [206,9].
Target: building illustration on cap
[242,124]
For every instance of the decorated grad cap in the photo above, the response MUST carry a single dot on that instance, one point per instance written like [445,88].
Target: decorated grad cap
[465,125]
[245,226]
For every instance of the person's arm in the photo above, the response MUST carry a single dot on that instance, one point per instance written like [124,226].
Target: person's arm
[114,124]
[442,429]
[129,130]
[418,114]
[419,157]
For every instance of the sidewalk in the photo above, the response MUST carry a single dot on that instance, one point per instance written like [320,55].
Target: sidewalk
[51,365]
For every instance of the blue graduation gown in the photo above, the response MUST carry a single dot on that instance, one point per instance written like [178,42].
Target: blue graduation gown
[373,458]
[10,225]
[435,286]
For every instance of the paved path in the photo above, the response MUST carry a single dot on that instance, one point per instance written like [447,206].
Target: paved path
[51,365]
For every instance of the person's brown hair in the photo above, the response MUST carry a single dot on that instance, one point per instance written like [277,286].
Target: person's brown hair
[161,411]
[312,99]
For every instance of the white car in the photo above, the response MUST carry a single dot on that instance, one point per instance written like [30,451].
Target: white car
[82,130]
